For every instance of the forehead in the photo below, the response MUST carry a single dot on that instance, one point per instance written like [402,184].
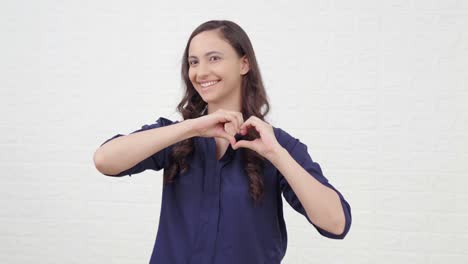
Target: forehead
[208,41]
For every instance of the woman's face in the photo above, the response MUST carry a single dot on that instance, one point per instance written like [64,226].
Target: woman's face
[215,64]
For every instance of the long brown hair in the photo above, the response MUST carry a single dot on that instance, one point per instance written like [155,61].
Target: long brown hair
[254,99]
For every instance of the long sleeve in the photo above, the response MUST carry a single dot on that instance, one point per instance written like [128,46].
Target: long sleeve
[157,161]
[299,152]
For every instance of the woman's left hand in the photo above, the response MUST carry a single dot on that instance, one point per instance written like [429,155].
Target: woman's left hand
[266,145]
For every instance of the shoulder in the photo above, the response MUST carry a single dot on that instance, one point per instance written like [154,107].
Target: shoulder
[160,122]
[293,145]
[285,139]
[164,121]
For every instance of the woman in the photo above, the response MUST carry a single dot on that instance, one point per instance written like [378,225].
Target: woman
[225,168]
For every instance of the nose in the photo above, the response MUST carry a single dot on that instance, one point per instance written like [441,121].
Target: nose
[202,70]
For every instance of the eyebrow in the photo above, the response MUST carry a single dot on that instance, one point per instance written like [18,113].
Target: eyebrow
[208,54]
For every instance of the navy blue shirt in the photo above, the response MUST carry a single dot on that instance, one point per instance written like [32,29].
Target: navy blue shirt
[207,215]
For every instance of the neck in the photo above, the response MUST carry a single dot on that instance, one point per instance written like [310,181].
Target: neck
[230,105]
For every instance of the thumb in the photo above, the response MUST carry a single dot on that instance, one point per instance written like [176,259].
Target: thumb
[241,144]
[230,138]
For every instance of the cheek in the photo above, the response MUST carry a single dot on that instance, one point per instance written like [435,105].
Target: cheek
[190,74]
[230,72]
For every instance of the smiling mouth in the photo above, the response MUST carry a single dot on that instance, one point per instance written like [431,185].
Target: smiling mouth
[208,84]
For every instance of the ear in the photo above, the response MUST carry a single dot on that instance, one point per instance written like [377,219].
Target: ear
[245,66]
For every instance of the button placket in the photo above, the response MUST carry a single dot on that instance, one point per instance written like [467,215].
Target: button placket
[211,205]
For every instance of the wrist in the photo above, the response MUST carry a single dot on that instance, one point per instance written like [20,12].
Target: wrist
[277,154]
[190,128]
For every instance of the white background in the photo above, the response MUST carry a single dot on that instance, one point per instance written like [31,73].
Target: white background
[376,90]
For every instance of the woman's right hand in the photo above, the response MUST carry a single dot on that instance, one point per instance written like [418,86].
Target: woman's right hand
[222,123]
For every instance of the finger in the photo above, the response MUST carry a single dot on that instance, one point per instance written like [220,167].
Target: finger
[236,123]
[229,128]
[231,139]
[259,125]
[249,123]
[241,121]
[234,119]
[244,128]
[225,118]
[241,144]
[246,144]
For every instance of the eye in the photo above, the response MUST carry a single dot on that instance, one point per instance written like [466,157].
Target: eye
[190,62]
[215,57]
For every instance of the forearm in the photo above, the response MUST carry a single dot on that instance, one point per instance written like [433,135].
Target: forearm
[321,203]
[126,151]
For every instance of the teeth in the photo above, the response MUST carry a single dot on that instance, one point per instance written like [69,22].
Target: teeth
[208,83]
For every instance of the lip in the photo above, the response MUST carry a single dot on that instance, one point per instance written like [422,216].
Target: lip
[206,88]
[209,81]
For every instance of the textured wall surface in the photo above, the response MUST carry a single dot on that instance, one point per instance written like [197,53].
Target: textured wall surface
[378,90]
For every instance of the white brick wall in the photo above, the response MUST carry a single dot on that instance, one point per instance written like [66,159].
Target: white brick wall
[383,84]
